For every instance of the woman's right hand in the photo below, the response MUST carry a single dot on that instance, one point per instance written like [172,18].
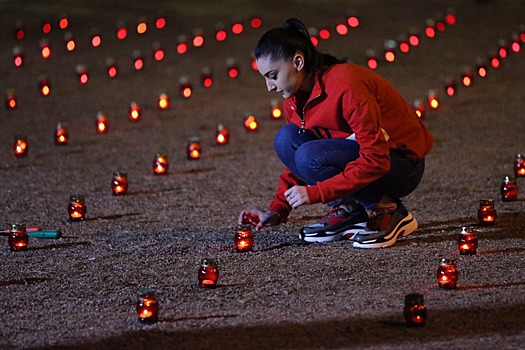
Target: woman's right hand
[259,218]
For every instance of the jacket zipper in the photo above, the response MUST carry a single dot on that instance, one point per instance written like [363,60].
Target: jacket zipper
[302,116]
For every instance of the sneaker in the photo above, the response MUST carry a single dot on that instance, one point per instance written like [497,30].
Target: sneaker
[384,227]
[336,224]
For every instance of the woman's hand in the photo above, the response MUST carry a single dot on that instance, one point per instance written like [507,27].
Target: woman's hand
[297,196]
[259,218]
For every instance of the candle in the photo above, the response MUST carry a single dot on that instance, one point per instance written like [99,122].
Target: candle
[164,101]
[45,49]
[61,134]
[96,39]
[519,165]
[44,86]
[69,42]
[250,123]
[77,207]
[466,77]
[468,242]
[134,111]
[18,56]
[481,67]
[486,212]
[276,110]
[158,51]
[20,147]
[111,67]
[433,99]
[371,59]
[447,274]
[82,74]
[19,30]
[18,238]
[122,32]
[10,99]
[185,87]
[419,106]
[182,46]
[430,28]
[233,67]
[206,77]
[147,306]
[160,164]
[451,87]
[389,48]
[243,238]
[509,189]
[198,38]
[193,149]
[222,135]
[102,123]
[119,184]
[413,37]
[138,59]
[142,26]
[415,311]
[208,273]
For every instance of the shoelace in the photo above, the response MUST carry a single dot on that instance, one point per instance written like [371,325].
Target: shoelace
[330,215]
[376,216]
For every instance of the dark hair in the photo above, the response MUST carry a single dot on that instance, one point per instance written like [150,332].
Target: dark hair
[284,42]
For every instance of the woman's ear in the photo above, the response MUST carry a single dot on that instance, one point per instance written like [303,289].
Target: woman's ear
[298,61]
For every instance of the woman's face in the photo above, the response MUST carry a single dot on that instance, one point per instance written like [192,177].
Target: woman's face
[283,76]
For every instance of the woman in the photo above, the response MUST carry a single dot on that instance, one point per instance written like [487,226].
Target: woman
[351,141]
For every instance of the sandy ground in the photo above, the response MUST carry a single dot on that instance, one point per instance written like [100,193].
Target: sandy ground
[79,291]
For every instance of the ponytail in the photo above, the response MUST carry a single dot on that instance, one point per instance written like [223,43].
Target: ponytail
[284,42]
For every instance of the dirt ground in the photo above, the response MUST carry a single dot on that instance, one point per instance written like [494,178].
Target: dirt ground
[79,291]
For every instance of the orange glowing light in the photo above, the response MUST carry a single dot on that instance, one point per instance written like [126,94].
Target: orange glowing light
[390,56]
[10,100]
[20,147]
[250,123]
[70,45]
[102,123]
[413,40]
[208,273]
[466,80]
[276,110]
[198,40]
[119,184]
[77,207]
[134,112]
[160,164]
[193,149]
[46,52]
[222,135]
[467,242]
[142,27]
[147,307]
[164,101]
[63,23]
[61,134]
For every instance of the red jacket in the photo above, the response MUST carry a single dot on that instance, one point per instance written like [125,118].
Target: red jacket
[350,99]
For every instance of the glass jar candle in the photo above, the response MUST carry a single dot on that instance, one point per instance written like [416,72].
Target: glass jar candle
[243,238]
[160,164]
[164,101]
[20,147]
[276,110]
[102,123]
[206,77]
[447,274]
[61,134]
[509,189]
[208,273]
[419,106]
[134,112]
[10,99]
[433,99]
[147,306]
[18,238]
[250,123]
[185,87]
[415,311]
[468,242]
[193,150]
[487,212]
[119,184]
[77,207]
[519,165]
[222,135]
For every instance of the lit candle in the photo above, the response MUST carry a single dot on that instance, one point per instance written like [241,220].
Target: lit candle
[389,47]
[44,86]
[466,77]
[164,101]
[69,41]
[45,49]
[160,164]
[519,165]
[182,46]
[122,32]
[82,74]
[18,238]
[20,147]
[61,134]
[147,306]
[111,67]
[10,99]
[158,51]
[198,38]
[102,123]
[18,56]
[96,39]
[433,99]
[119,184]
[208,273]
[185,87]
[77,207]
[509,189]
[243,238]
[450,87]
[371,59]
[250,123]
[193,149]
[481,67]
[486,212]
[142,26]
[419,106]
[222,135]
[468,242]
[415,311]
[430,28]
[138,60]
[276,110]
[19,30]
[233,67]
[413,37]
[206,77]
[447,274]
[134,111]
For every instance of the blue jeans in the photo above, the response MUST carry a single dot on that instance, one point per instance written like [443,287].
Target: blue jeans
[313,159]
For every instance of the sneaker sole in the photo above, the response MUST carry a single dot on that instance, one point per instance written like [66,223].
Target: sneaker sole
[321,239]
[404,228]
[350,233]
[331,236]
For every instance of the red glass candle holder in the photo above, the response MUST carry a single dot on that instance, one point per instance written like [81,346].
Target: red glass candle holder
[119,184]
[415,311]
[481,68]
[158,51]
[185,87]
[135,111]
[102,123]
[389,50]
[198,38]
[468,242]
[69,42]
[82,74]
[509,189]
[20,147]
[18,56]
[193,150]
[164,101]
[111,67]
[208,273]
[433,99]
[222,135]
[206,77]
[451,87]
[138,59]
[250,123]
[430,28]
[18,238]
[276,109]
[487,212]
[466,77]
[44,86]
[519,165]
[77,207]
[182,45]
[419,106]
[232,67]
[371,62]
[45,49]
[61,134]
[447,274]
[147,306]
[243,238]
[10,99]
[160,164]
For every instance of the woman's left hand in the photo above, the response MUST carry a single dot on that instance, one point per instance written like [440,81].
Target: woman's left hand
[297,196]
